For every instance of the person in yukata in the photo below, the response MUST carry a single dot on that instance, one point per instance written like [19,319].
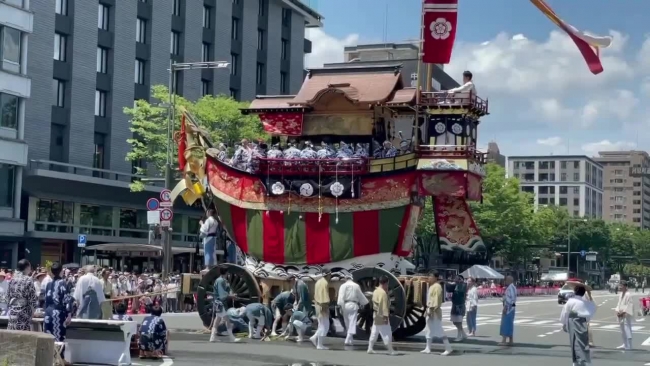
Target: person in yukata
[242,157]
[209,230]
[381,318]
[223,153]
[360,151]
[345,151]
[220,298]
[308,152]
[458,299]
[301,291]
[260,314]
[58,305]
[322,309]
[22,296]
[433,329]
[120,313]
[574,318]
[292,152]
[277,306]
[89,294]
[326,151]
[388,150]
[298,320]
[153,335]
[507,329]
[472,306]
[625,315]
[274,152]
[107,288]
[350,300]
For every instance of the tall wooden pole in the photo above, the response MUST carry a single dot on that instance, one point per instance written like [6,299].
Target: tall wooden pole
[418,95]
[429,77]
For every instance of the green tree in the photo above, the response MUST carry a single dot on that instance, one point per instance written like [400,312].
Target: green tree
[506,217]
[219,115]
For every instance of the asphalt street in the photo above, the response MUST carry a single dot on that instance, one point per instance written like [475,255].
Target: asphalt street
[539,340]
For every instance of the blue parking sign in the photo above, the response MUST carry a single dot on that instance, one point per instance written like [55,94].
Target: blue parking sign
[81,241]
[582,253]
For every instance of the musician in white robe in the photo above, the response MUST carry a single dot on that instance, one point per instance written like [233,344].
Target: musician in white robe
[89,294]
[350,300]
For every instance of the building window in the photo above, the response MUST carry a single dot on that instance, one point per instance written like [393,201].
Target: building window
[100,103]
[260,39]
[7,181]
[98,216]
[205,88]
[133,219]
[576,177]
[286,17]
[207,20]
[141,30]
[175,42]
[234,62]
[98,159]
[54,211]
[262,8]
[10,51]
[61,7]
[103,17]
[284,51]
[205,52]
[259,75]
[284,83]
[59,93]
[102,60]
[60,46]
[176,8]
[234,29]
[139,72]
[9,111]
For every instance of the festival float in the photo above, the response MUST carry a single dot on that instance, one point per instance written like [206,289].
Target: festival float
[352,213]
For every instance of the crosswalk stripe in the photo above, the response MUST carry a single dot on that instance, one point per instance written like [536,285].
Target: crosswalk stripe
[481,318]
[593,325]
[637,327]
[540,322]
[520,321]
[611,326]
[646,342]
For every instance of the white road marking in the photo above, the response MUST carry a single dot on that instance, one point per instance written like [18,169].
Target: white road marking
[540,322]
[640,319]
[481,318]
[542,335]
[611,326]
[637,327]
[646,342]
[167,361]
[520,321]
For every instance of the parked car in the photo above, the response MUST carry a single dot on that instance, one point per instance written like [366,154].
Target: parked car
[565,293]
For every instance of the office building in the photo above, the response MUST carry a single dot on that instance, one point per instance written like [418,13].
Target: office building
[406,54]
[626,198]
[571,181]
[494,156]
[16,25]
[90,59]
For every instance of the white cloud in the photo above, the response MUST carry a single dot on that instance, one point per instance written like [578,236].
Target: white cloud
[551,141]
[593,148]
[327,49]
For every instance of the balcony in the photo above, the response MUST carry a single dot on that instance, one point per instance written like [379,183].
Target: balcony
[439,102]
[18,85]
[15,16]
[452,152]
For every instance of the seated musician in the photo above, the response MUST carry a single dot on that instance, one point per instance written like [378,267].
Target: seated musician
[120,313]
[468,85]
[153,335]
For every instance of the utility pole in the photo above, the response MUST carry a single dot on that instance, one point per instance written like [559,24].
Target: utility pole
[174,67]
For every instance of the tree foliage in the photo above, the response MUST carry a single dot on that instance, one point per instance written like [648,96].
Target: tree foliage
[219,115]
[513,230]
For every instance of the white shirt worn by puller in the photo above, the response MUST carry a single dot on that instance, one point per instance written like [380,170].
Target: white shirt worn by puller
[582,307]
[210,226]
[350,291]
[467,87]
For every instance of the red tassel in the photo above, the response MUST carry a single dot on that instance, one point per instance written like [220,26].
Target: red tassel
[182,146]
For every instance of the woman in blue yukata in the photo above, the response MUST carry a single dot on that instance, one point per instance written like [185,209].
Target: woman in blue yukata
[59,305]
[508,315]
[153,335]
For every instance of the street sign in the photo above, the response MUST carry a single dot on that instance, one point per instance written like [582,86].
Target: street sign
[166,198]
[583,253]
[153,217]
[590,257]
[81,241]
[166,216]
[153,204]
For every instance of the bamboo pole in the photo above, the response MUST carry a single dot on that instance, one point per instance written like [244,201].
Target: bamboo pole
[418,96]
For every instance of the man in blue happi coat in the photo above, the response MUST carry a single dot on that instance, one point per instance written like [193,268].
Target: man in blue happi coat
[220,297]
[277,306]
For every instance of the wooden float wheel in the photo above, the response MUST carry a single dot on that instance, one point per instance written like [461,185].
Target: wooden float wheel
[368,280]
[414,321]
[243,284]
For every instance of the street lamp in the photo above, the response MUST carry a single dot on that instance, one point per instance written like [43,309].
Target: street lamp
[171,111]
[568,249]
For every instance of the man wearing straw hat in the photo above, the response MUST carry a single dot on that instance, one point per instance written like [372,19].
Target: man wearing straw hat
[575,317]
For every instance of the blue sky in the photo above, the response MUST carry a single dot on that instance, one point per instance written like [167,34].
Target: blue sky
[543,98]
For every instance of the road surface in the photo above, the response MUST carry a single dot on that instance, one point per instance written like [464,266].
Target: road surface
[539,341]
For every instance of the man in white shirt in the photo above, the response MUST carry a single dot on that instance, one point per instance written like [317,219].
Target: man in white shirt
[209,234]
[4,286]
[89,294]
[172,296]
[575,317]
[471,304]
[468,85]
[350,299]
[625,313]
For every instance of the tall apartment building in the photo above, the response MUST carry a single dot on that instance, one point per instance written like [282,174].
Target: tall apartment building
[405,53]
[16,25]
[88,59]
[571,181]
[626,198]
